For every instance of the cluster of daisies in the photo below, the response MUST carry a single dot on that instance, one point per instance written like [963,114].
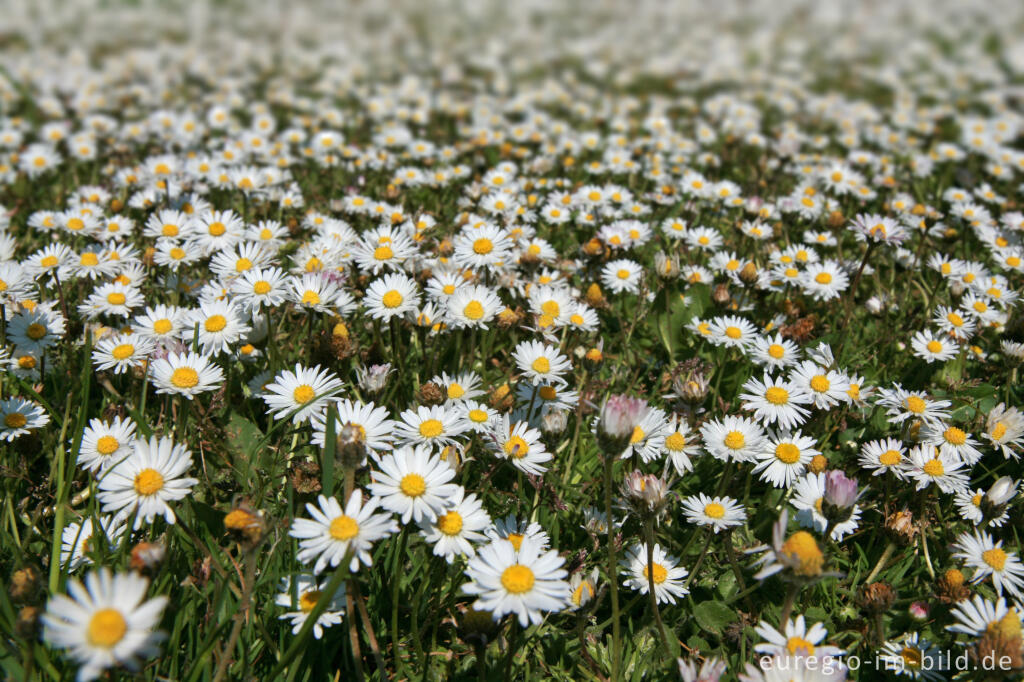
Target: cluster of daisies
[563,318]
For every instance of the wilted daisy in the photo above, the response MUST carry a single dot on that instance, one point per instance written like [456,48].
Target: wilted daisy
[414,483]
[776,401]
[664,570]
[303,391]
[147,480]
[77,540]
[335,533]
[523,581]
[719,513]
[518,443]
[784,458]
[187,374]
[19,416]
[121,353]
[303,592]
[541,363]
[735,438]
[105,623]
[988,558]
[105,444]
[456,529]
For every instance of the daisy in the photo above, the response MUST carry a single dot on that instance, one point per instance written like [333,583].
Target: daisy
[160,323]
[456,529]
[776,401]
[318,292]
[414,483]
[121,353]
[648,436]
[220,325]
[927,464]
[187,374]
[105,623]
[541,363]
[260,289]
[732,332]
[902,405]
[476,416]
[931,348]
[584,589]
[486,246]
[1004,428]
[951,440]
[303,392]
[668,576]
[798,554]
[987,557]
[784,458]
[975,616]
[913,656]
[307,593]
[19,416]
[76,541]
[680,444]
[460,387]
[719,513]
[391,296]
[105,444]
[335,533]
[881,456]
[520,444]
[144,482]
[808,496]
[794,639]
[116,299]
[732,437]
[774,352]
[522,581]
[826,387]
[372,423]
[472,306]
[824,281]
[435,426]
[954,323]
[36,330]
[622,276]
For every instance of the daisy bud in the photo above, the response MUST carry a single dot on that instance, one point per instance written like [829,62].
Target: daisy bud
[593,358]
[1001,492]
[27,625]
[901,526]
[509,318]
[818,464]
[720,294]
[840,496]
[351,446]
[693,385]
[594,296]
[373,379]
[25,584]
[477,626]
[749,273]
[554,422]
[1001,643]
[146,556]
[645,493]
[919,610]
[501,397]
[245,525]
[620,414]
[951,587]
[666,266]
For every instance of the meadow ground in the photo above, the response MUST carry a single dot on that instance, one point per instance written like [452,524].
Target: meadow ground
[494,341]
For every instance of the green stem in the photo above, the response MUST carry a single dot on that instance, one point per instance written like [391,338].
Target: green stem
[613,586]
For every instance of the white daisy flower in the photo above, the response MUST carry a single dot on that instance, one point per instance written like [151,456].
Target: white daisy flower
[808,496]
[472,306]
[144,482]
[414,483]
[680,444]
[393,295]
[926,464]
[784,458]
[776,401]
[160,323]
[187,374]
[541,363]
[435,426]
[914,657]
[334,533]
[988,558]
[121,353]
[668,576]
[951,440]
[795,638]
[375,428]
[518,443]
[456,529]
[220,324]
[77,540]
[105,444]
[719,513]
[826,387]
[736,438]
[302,593]
[880,456]
[19,416]
[304,391]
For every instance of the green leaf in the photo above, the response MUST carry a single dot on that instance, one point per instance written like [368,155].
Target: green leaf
[714,616]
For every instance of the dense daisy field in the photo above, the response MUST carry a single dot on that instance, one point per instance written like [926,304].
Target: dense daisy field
[511,341]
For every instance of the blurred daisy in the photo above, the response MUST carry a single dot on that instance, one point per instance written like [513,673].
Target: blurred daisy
[77,541]
[19,416]
[303,592]
[914,657]
[795,639]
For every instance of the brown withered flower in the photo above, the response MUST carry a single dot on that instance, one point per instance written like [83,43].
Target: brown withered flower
[951,587]
[876,598]
[431,394]
[26,584]
[901,527]
[245,525]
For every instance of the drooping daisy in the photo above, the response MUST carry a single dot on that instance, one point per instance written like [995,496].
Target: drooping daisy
[784,458]
[525,582]
[664,569]
[303,391]
[546,398]
[736,438]
[795,639]
[78,540]
[719,513]
[541,363]
[145,481]
[520,444]
[988,558]
[121,353]
[776,401]
[881,456]
[456,528]
[187,374]
[808,496]
[414,483]
[105,623]
[334,532]
[105,444]
[19,416]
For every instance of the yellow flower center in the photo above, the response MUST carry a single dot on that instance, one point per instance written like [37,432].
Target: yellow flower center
[450,523]
[733,332]
[675,442]
[185,377]
[116,298]
[637,435]
[383,253]
[820,383]
[261,287]
[934,468]
[392,299]
[308,600]
[474,310]
[107,627]
[890,458]
[998,431]
[455,391]
[35,331]
[934,346]
[776,395]
[915,404]
[345,528]
[776,351]
[541,365]
[714,510]
[517,447]
[802,547]
[162,326]
[242,264]
[89,258]
[412,485]
[215,323]
[169,230]
[483,246]
[823,278]
[517,579]
[15,420]
[177,253]
[954,436]
[660,573]
[303,394]
[478,416]
[995,557]
[735,440]
[787,453]
[795,644]
[123,352]
[622,274]
[955,319]
[48,261]
[148,481]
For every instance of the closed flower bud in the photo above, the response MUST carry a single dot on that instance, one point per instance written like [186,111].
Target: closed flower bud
[666,267]
[147,556]
[876,597]
[245,525]
[720,294]
[25,584]
[431,394]
[818,464]
[749,273]
[554,422]
[594,296]
[620,414]
[840,496]
[374,378]
[350,446]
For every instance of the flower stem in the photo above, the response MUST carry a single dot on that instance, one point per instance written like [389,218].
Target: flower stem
[609,462]
[649,532]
